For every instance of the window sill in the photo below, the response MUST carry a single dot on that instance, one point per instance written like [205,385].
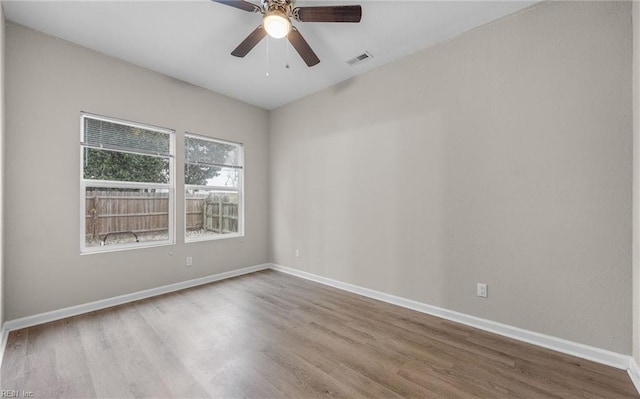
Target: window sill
[215,238]
[119,248]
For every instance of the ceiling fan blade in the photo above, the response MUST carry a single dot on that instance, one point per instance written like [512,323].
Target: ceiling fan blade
[328,14]
[243,5]
[250,42]
[302,47]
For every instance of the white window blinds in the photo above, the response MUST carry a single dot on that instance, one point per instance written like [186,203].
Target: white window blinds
[104,134]
[212,153]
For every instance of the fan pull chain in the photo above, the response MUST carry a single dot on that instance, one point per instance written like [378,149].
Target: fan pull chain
[267,74]
[286,44]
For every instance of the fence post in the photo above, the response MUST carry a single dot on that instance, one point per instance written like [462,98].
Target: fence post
[204,215]
[220,214]
[97,226]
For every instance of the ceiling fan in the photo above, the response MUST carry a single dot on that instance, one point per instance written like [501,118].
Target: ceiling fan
[276,22]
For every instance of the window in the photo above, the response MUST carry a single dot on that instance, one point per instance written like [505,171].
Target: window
[213,175]
[127,184]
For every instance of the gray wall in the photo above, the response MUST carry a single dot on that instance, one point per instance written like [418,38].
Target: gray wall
[2,61]
[636,181]
[502,156]
[49,81]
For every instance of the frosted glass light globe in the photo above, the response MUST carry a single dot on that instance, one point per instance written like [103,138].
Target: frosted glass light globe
[277,24]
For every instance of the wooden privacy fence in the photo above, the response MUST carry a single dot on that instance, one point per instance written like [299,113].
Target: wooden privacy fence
[217,212]
[121,211]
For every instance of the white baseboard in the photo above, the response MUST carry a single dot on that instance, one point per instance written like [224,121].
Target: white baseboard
[598,355]
[634,373]
[41,318]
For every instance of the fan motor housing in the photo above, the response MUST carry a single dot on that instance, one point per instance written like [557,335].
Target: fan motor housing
[279,5]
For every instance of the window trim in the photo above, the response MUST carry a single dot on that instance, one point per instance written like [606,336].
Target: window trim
[87,183]
[239,190]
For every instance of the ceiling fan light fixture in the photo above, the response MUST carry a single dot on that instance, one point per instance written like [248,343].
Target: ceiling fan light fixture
[276,23]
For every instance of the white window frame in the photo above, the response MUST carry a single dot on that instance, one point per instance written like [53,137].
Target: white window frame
[86,183]
[224,189]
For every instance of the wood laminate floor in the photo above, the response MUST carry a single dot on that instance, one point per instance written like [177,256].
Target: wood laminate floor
[271,335]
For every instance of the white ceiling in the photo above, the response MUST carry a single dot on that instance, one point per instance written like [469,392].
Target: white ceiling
[192,40]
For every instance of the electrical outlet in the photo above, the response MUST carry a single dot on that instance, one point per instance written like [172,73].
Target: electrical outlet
[483,290]
[189,261]
[297,253]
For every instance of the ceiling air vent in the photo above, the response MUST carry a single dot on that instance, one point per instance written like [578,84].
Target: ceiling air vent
[360,58]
